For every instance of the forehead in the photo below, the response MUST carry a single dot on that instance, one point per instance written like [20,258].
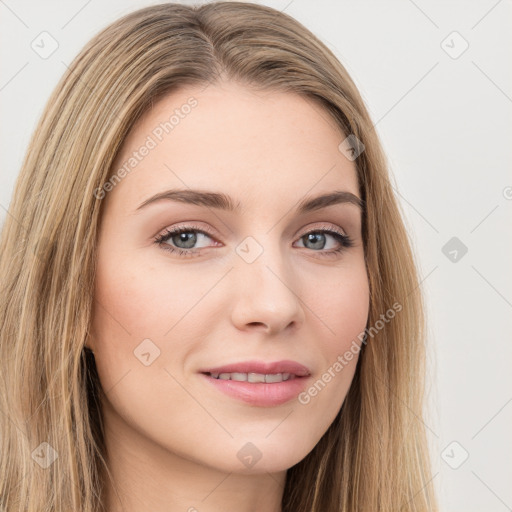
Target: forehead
[252,145]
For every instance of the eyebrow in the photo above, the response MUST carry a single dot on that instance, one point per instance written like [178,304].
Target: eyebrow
[222,201]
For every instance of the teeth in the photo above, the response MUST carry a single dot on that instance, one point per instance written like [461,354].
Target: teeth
[254,377]
[278,377]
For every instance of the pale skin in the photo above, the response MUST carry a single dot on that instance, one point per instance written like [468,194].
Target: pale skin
[172,440]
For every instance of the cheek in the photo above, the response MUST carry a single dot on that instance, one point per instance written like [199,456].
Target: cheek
[137,309]
[347,311]
[138,312]
[341,302]
[134,299]
[343,307]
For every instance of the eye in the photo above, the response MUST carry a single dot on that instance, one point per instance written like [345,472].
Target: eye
[183,240]
[318,238]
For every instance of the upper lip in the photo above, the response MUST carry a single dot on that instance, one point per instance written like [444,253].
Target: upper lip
[263,367]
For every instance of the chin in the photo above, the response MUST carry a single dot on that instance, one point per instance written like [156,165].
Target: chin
[259,456]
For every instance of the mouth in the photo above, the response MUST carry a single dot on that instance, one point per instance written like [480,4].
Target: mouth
[268,378]
[259,384]
[257,369]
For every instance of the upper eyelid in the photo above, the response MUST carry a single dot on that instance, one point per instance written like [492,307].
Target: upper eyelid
[192,227]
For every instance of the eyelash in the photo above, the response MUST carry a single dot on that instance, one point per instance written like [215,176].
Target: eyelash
[344,240]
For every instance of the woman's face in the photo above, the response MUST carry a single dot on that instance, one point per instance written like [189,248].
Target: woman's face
[254,286]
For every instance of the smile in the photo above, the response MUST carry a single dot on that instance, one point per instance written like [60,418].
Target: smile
[254,377]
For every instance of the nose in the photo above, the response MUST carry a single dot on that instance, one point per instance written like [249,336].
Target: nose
[267,295]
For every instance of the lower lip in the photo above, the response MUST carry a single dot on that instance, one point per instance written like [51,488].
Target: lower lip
[258,393]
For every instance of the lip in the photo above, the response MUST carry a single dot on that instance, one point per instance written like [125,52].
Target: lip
[258,393]
[285,366]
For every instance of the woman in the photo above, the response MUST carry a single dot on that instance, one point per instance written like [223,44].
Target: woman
[209,299]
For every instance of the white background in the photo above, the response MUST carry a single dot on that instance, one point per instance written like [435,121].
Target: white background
[446,126]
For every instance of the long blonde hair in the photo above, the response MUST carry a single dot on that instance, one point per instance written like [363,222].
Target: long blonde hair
[374,456]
